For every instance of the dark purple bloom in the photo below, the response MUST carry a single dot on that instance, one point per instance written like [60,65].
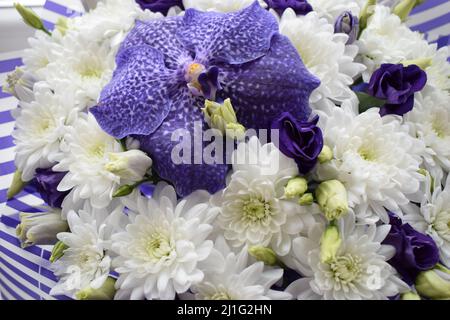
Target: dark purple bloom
[299,6]
[396,84]
[47,182]
[415,251]
[300,140]
[166,68]
[348,24]
[162,6]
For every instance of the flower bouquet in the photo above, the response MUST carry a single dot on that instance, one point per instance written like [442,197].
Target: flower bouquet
[239,149]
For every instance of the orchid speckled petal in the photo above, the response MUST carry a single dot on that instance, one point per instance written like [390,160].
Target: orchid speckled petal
[137,100]
[234,38]
[261,90]
[185,177]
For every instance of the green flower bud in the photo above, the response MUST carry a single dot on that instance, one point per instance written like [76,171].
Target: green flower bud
[296,187]
[124,190]
[306,200]
[325,155]
[17,185]
[264,254]
[131,165]
[329,244]
[105,292]
[366,13]
[422,63]
[434,284]
[332,198]
[223,118]
[403,9]
[58,251]
[62,26]
[31,18]
[410,296]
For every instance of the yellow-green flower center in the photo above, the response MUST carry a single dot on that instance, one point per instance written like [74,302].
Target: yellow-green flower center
[367,154]
[157,246]
[346,269]
[221,295]
[256,210]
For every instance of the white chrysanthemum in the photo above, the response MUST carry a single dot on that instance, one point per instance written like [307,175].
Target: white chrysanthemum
[86,64]
[330,10]
[43,50]
[220,5]
[252,209]
[358,271]
[86,262]
[87,148]
[387,40]
[433,218]
[324,53]
[231,276]
[430,122]
[159,251]
[110,21]
[375,157]
[40,127]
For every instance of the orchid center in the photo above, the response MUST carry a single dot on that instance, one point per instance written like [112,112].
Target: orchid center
[202,81]
[346,268]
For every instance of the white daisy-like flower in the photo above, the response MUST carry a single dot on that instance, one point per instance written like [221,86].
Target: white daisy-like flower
[220,5]
[358,271]
[87,151]
[86,262]
[331,10]
[87,65]
[43,50]
[375,157]
[433,218]
[161,247]
[387,40]
[324,53]
[40,127]
[232,276]
[252,210]
[430,122]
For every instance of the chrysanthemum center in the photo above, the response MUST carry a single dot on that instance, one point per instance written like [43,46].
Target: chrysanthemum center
[221,295]
[367,154]
[256,210]
[346,269]
[97,150]
[441,128]
[158,246]
[442,224]
[90,70]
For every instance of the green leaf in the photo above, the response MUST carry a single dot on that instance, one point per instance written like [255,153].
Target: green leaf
[366,101]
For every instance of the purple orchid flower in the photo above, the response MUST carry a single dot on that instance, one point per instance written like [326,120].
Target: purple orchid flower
[166,68]
[162,6]
[299,6]
[47,182]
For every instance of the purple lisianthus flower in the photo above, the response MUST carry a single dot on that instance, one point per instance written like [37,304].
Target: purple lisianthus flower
[415,251]
[162,6]
[300,140]
[348,24]
[396,84]
[47,182]
[299,6]
[166,68]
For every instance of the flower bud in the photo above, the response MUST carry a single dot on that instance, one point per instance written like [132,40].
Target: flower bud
[223,118]
[329,244]
[325,155]
[366,12]
[20,84]
[403,9]
[16,186]
[40,227]
[348,24]
[410,296]
[296,187]
[331,196]
[264,254]
[130,165]
[124,191]
[30,17]
[58,251]
[422,63]
[306,200]
[62,26]
[434,284]
[105,292]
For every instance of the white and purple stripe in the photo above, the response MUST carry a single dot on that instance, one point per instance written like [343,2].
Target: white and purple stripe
[25,273]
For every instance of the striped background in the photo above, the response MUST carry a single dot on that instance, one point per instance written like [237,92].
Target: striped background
[24,273]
